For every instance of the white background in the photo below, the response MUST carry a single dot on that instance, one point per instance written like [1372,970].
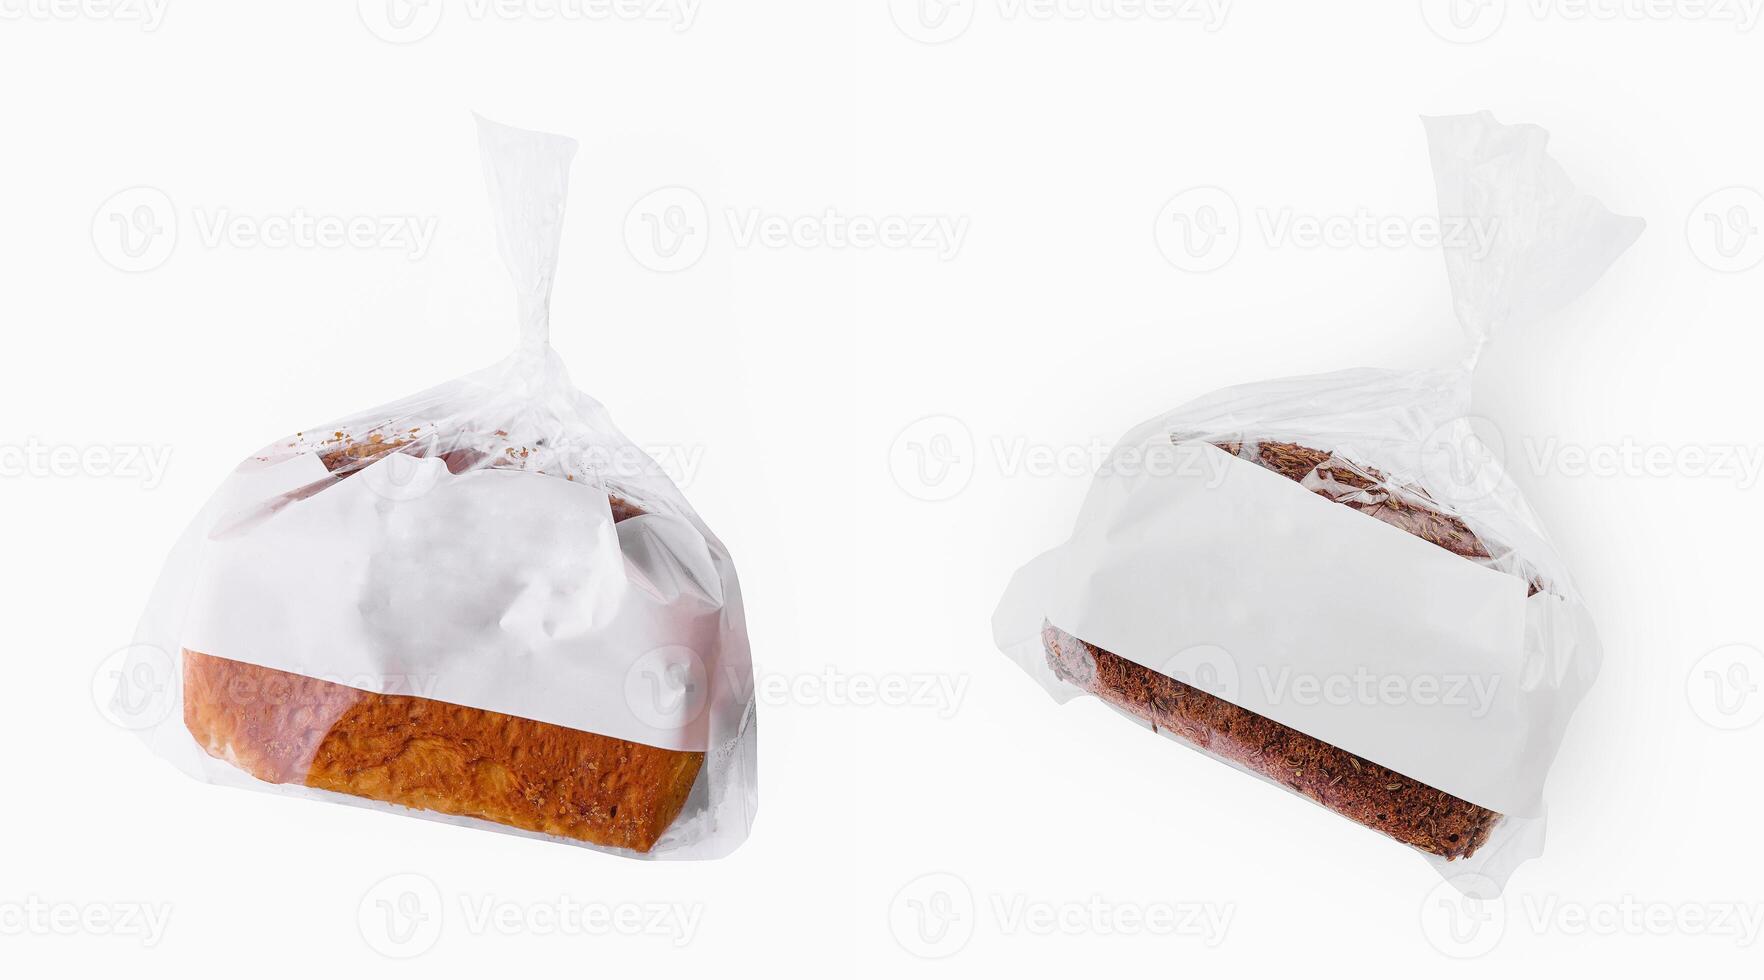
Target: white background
[792,374]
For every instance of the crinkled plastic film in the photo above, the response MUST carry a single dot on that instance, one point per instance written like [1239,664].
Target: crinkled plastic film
[480,604]
[1149,609]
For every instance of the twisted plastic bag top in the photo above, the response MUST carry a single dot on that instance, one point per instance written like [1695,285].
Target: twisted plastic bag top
[528,174]
[1551,242]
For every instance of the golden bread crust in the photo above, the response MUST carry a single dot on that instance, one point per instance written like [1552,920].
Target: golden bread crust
[432,755]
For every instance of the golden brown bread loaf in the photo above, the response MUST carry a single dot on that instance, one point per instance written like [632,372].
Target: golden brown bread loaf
[432,755]
[1405,809]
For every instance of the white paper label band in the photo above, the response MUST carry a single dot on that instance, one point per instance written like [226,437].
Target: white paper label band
[501,590]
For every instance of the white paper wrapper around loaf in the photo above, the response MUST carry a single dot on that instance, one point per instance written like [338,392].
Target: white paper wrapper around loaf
[1286,597]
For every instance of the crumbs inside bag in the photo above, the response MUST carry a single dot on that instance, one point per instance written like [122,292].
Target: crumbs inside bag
[344,453]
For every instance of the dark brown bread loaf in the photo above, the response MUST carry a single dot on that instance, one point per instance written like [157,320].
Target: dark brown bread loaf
[1409,811]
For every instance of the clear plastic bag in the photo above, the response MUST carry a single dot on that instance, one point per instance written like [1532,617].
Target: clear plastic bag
[1224,586]
[480,604]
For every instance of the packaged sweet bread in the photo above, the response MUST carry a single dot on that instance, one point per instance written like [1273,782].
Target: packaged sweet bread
[1330,582]
[480,604]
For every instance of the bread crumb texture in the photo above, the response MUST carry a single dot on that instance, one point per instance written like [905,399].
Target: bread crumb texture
[431,755]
